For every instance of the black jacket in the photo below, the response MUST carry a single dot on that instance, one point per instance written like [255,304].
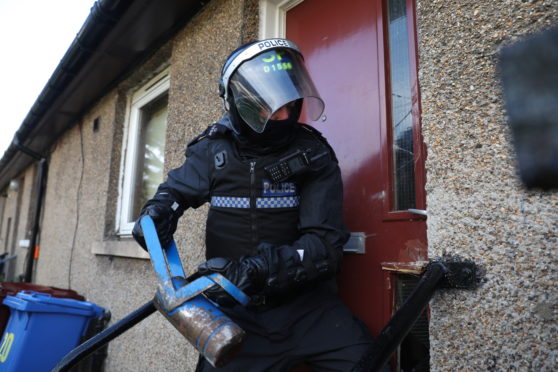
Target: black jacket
[303,213]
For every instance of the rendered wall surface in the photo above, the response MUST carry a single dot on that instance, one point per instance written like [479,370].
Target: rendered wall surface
[17,208]
[10,219]
[5,214]
[25,223]
[476,206]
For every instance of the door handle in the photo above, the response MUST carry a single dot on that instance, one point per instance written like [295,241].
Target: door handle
[422,212]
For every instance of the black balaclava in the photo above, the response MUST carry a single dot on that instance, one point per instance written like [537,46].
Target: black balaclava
[277,133]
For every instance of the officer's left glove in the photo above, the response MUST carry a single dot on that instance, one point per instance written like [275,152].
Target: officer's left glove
[165,222]
[247,273]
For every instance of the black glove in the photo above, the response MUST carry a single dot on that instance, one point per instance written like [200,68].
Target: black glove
[284,269]
[247,273]
[165,223]
[276,270]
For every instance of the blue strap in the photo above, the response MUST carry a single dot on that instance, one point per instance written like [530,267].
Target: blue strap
[172,262]
[155,250]
[230,288]
[173,258]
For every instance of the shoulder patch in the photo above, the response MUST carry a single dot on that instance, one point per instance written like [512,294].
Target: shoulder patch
[217,130]
[213,131]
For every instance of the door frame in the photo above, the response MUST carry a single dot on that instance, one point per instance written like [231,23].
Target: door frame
[273,17]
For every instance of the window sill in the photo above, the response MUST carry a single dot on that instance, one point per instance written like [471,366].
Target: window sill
[120,248]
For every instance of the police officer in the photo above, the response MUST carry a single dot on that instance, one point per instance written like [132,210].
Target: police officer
[275,226]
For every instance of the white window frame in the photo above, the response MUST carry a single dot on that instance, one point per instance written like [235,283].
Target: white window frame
[153,89]
[273,17]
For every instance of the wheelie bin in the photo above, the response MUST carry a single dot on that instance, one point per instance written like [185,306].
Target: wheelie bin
[42,329]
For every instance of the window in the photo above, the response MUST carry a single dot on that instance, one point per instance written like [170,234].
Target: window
[144,143]
[403,152]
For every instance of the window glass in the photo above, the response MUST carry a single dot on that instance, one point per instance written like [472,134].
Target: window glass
[401,107]
[144,144]
[151,152]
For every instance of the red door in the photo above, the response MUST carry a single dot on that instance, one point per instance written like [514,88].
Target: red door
[372,122]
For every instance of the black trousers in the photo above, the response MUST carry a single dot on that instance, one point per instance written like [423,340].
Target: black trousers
[315,329]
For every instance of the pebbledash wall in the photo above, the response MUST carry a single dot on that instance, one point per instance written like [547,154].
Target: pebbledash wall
[476,206]
[82,190]
[16,221]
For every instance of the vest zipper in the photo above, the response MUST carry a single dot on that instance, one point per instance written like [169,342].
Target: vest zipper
[253,217]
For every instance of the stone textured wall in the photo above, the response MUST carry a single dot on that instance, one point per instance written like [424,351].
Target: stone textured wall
[476,206]
[25,213]
[17,207]
[9,238]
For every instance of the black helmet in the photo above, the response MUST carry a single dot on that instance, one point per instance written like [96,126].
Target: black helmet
[265,75]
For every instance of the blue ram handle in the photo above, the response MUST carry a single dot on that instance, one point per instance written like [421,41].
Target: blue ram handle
[199,320]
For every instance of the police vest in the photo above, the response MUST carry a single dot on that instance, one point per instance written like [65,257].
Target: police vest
[247,207]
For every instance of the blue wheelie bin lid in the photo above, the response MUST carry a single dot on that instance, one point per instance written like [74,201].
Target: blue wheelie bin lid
[31,301]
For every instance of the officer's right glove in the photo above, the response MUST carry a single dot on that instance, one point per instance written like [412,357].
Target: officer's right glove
[247,273]
[273,271]
[165,223]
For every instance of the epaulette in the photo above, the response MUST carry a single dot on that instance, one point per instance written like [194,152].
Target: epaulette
[318,135]
[213,131]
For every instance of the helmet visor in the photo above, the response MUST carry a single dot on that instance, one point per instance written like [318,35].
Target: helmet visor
[268,81]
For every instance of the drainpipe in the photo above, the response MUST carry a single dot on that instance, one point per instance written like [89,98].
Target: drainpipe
[42,172]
